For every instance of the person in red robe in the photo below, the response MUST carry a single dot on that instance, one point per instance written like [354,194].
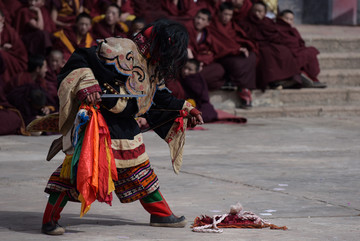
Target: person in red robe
[201,48]
[28,90]
[179,10]
[34,24]
[110,26]
[277,66]
[10,9]
[98,7]
[55,61]
[241,9]
[64,12]
[79,36]
[13,55]
[236,53]
[11,122]
[306,57]
[211,5]
[150,10]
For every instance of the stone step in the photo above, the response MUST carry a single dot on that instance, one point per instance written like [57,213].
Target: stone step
[340,77]
[336,44]
[339,60]
[299,111]
[289,97]
[330,38]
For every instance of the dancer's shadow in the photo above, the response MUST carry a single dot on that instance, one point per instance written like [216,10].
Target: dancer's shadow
[30,222]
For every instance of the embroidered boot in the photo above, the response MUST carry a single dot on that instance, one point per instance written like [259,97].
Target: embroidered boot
[55,205]
[161,214]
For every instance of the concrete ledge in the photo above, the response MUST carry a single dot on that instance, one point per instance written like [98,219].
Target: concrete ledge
[340,60]
[340,77]
[296,111]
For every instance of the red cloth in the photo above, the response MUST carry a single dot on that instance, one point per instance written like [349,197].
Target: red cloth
[150,10]
[176,88]
[25,78]
[184,11]
[242,13]
[203,51]
[10,9]
[306,57]
[276,60]
[15,59]
[229,38]
[67,10]
[102,30]
[24,16]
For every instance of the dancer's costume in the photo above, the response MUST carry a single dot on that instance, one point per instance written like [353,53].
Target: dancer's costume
[103,144]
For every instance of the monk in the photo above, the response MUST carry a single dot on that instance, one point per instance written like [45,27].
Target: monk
[34,24]
[13,55]
[55,61]
[79,36]
[10,9]
[195,87]
[98,7]
[241,9]
[179,10]
[211,5]
[35,74]
[28,91]
[150,10]
[64,12]
[201,48]
[276,62]
[236,53]
[110,26]
[137,25]
[306,57]
[11,122]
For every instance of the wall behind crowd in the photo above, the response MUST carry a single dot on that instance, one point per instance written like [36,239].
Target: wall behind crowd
[334,12]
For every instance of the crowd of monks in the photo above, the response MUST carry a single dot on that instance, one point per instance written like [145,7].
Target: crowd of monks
[233,46]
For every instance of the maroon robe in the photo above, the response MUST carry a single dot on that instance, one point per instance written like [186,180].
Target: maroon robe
[66,12]
[150,10]
[70,35]
[24,78]
[15,59]
[210,5]
[228,39]
[11,121]
[276,60]
[36,41]
[203,50]
[98,7]
[176,88]
[102,30]
[184,11]
[10,9]
[243,12]
[306,57]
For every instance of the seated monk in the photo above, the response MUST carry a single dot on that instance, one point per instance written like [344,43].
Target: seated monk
[211,5]
[241,9]
[13,55]
[179,10]
[236,53]
[306,57]
[201,49]
[79,36]
[34,24]
[110,26]
[64,12]
[137,25]
[277,66]
[10,9]
[55,61]
[98,7]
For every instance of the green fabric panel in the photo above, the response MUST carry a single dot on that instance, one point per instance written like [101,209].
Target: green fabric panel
[64,201]
[54,197]
[76,156]
[153,197]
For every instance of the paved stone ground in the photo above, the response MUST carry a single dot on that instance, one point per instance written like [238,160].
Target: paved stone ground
[302,173]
